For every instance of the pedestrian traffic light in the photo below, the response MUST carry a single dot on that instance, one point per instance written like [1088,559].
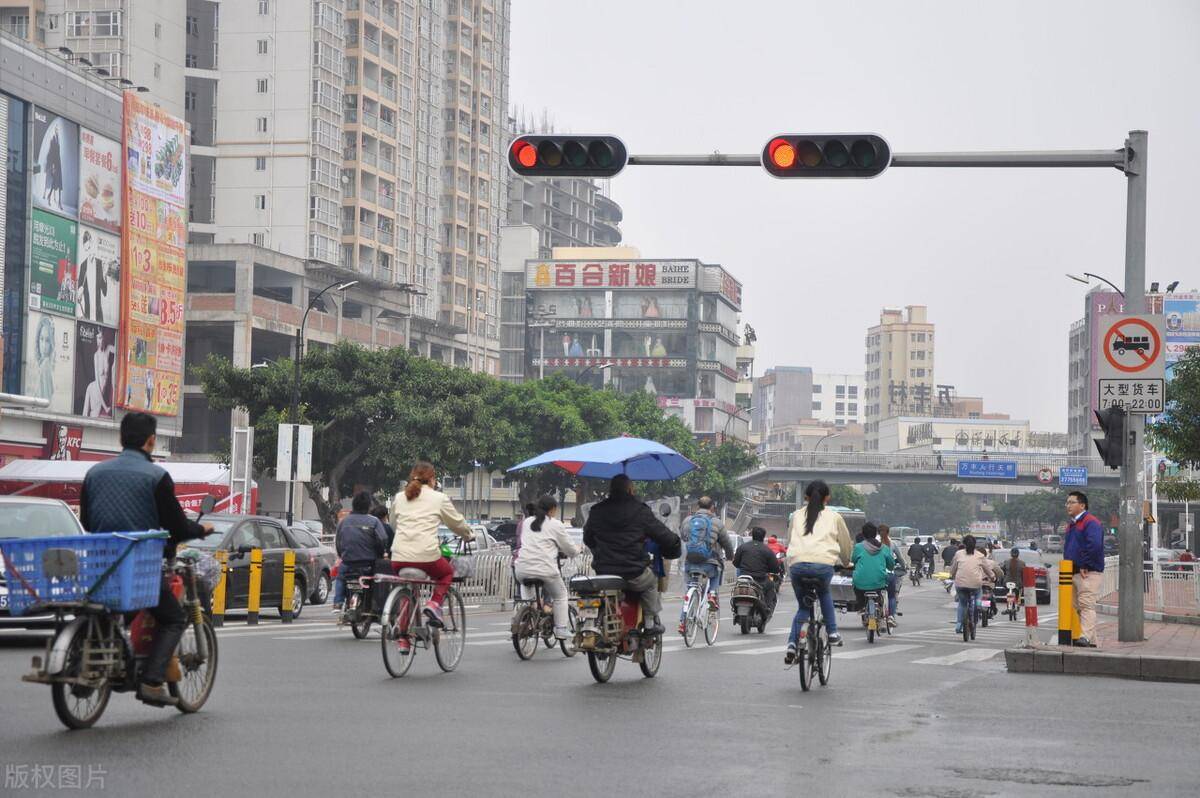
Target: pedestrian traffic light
[840,155]
[1112,445]
[567,156]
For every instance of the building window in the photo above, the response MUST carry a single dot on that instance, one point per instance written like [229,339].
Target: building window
[260,201]
[853,391]
[816,405]
[107,23]
[157,70]
[158,29]
[816,389]
[264,7]
[840,408]
[258,239]
[260,163]
[189,101]
[262,46]
[262,85]
[839,391]
[261,124]
[854,408]
[190,60]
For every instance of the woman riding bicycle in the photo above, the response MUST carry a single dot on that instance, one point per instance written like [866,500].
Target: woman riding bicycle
[819,539]
[416,513]
[545,539]
[969,569]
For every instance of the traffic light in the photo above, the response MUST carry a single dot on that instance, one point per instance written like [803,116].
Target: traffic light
[1112,445]
[840,155]
[567,156]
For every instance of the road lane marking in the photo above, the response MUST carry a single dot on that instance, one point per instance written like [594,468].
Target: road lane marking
[873,652]
[969,655]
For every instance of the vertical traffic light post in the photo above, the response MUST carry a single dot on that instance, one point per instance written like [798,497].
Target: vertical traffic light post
[866,155]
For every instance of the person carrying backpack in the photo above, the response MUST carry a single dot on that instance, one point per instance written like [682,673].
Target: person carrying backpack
[704,539]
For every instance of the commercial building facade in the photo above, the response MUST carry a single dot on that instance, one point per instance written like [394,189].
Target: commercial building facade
[899,368]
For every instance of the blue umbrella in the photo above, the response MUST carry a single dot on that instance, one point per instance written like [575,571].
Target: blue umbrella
[640,459]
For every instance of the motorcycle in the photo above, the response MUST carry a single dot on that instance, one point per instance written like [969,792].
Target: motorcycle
[749,603]
[93,653]
[610,626]
[358,610]
[1010,594]
[915,574]
[987,604]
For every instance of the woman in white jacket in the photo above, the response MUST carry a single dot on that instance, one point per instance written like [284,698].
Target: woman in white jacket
[546,538]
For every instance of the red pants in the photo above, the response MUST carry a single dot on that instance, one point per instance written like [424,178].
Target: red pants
[439,570]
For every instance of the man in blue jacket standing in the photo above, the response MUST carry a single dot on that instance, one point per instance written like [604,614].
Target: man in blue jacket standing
[1084,547]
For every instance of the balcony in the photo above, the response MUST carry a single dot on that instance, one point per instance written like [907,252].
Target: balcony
[389,92]
[385,237]
[347,227]
[350,114]
[368,194]
[371,83]
[366,231]
[370,158]
[387,166]
[371,45]
[369,119]
[390,19]
[352,40]
[387,128]
[387,201]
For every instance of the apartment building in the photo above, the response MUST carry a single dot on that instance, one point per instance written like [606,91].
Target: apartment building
[899,368]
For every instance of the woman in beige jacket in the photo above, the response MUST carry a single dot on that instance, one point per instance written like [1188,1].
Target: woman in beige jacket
[818,539]
[969,569]
[416,514]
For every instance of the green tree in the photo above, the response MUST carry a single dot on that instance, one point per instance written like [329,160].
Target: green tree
[718,469]
[928,507]
[845,496]
[1177,432]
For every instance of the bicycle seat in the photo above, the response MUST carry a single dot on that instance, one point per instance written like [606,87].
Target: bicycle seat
[411,573]
[811,583]
[531,582]
[596,584]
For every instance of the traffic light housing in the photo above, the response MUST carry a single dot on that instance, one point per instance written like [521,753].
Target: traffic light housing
[1112,445]
[837,155]
[567,156]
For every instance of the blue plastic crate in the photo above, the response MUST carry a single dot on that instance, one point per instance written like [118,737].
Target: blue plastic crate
[133,585]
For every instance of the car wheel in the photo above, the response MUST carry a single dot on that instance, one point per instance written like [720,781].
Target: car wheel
[1043,599]
[321,594]
[298,594]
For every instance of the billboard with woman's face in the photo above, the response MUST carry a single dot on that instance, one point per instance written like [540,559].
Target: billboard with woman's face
[50,360]
[95,359]
[55,163]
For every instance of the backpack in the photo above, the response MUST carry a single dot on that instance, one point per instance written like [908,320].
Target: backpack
[699,545]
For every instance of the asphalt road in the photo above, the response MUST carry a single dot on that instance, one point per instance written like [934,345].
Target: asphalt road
[308,710]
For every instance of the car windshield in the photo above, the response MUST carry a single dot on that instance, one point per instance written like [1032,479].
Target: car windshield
[36,519]
[304,537]
[220,527]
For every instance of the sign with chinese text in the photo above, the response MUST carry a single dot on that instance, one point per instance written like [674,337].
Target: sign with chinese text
[987,469]
[52,263]
[99,181]
[1073,476]
[1131,369]
[638,274]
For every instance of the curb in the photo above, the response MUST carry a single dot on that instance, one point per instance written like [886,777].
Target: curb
[1152,615]
[1094,663]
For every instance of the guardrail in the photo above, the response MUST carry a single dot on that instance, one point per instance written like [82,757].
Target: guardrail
[1027,464]
[1168,586]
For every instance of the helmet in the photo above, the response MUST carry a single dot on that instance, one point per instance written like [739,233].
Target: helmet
[1015,552]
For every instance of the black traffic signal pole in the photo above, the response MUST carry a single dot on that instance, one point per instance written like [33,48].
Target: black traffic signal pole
[1131,159]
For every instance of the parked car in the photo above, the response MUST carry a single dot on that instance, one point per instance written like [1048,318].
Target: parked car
[27,517]
[1032,559]
[317,528]
[484,542]
[321,559]
[1052,544]
[238,535]
[505,532]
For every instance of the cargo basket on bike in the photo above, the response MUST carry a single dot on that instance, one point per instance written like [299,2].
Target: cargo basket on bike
[121,570]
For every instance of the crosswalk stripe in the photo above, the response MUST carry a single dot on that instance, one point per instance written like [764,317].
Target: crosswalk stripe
[969,655]
[862,653]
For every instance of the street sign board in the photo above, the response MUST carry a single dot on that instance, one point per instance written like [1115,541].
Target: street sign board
[1132,371]
[987,469]
[1074,476]
[283,453]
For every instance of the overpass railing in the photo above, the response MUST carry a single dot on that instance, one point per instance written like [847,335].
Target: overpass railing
[1027,464]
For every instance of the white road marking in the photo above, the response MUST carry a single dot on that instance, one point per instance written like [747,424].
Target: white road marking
[872,652]
[968,655]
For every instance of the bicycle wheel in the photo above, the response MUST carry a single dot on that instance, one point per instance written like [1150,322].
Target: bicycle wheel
[824,654]
[450,641]
[691,619]
[985,619]
[870,618]
[77,706]
[361,628]
[802,666]
[651,656]
[525,632]
[744,624]
[568,645]
[198,673]
[601,665]
[711,626]
[400,606]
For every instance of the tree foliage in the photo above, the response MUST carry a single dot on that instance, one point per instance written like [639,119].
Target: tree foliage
[928,507]
[1177,432]
[1048,508]
[845,496]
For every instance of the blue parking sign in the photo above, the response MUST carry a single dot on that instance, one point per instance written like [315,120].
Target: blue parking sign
[1075,476]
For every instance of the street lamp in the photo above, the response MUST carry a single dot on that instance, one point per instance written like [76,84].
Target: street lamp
[1079,279]
[542,321]
[580,375]
[294,411]
[827,437]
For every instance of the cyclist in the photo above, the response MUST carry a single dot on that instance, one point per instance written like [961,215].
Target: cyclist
[872,561]
[949,552]
[381,512]
[755,559]
[705,537]
[930,554]
[885,540]
[916,555]
[1014,569]
[819,539]
[417,511]
[542,544]
[131,493]
[616,532]
[361,539]
[969,569]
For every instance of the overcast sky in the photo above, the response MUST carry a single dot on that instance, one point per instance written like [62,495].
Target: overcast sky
[985,250]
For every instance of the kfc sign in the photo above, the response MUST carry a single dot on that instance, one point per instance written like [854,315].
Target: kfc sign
[62,442]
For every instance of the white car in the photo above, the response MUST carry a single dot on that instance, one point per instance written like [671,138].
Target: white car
[29,517]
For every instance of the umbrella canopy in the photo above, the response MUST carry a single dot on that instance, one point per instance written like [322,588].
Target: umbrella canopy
[640,459]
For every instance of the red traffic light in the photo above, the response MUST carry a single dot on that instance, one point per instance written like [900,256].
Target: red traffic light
[841,155]
[567,156]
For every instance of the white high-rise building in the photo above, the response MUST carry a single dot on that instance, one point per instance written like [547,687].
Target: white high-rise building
[839,398]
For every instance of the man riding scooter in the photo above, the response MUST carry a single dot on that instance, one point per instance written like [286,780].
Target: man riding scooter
[756,559]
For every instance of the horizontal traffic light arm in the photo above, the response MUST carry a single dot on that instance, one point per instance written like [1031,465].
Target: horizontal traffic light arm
[1033,158]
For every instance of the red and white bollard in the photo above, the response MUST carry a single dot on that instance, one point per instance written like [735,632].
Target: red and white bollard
[1030,590]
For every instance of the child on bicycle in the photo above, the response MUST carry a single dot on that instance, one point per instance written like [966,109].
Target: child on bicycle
[542,543]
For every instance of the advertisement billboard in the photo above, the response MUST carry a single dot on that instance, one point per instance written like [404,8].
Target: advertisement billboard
[99,181]
[52,263]
[55,163]
[639,274]
[1182,312]
[95,359]
[50,360]
[152,285]
[98,277]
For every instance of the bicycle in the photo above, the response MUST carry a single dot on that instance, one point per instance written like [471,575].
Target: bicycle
[815,656]
[532,622]
[402,621]
[699,611]
[875,613]
[915,573]
[970,612]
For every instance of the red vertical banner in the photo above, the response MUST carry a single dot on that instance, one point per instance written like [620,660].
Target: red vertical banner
[154,198]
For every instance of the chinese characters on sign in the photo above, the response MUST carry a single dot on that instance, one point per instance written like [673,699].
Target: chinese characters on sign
[1131,371]
[987,469]
[152,334]
[1075,476]
[625,274]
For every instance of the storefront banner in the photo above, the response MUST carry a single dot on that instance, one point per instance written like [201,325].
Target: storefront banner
[611,274]
[52,263]
[99,181]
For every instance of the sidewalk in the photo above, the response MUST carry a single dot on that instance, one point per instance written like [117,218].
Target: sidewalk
[1170,653]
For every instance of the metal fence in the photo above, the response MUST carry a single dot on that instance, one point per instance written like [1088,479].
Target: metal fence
[493,582]
[1167,585]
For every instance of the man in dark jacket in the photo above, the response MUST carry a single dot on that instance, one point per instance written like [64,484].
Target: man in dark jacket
[755,558]
[930,553]
[949,552]
[916,555]
[616,532]
[129,493]
[361,539]
[1084,547]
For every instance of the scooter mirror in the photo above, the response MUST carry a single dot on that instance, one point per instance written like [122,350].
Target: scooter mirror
[207,504]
